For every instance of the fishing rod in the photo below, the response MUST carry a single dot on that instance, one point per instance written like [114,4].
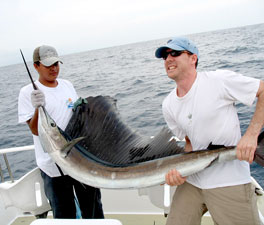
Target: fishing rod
[34,85]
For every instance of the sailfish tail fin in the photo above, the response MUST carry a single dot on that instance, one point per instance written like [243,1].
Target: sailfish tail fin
[259,154]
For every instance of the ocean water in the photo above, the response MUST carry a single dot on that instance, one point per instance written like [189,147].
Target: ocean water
[131,74]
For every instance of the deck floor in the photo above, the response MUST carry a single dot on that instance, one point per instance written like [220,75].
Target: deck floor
[125,219]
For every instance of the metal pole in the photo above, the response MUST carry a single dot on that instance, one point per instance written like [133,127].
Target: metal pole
[8,167]
[1,174]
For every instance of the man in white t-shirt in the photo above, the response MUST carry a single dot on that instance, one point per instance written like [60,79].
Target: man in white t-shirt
[58,96]
[201,109]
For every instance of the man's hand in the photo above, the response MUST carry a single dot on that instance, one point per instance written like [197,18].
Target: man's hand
[173,178]
[37,98]
[247,145]
[246,148]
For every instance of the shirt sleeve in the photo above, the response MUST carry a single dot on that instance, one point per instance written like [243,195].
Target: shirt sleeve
[25,108]
[238,87]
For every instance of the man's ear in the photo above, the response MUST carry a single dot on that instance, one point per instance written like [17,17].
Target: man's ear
[36,66]
[194,58]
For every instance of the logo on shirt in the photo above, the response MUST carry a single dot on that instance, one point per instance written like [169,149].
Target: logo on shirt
[69,103]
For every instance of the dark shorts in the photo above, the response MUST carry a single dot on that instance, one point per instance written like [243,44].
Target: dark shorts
[60,193]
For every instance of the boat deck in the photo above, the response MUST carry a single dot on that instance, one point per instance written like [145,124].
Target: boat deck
[125,219]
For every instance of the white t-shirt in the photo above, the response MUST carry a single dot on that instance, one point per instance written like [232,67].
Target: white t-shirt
[59,103]
[207,114]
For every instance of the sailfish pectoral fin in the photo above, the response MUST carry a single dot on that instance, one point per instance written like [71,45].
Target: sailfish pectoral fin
[68,147]
[259,153]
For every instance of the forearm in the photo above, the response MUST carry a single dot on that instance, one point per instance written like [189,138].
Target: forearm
[257,120]
[246,147]
[33,123]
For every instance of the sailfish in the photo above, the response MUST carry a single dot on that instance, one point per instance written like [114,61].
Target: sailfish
[98,149]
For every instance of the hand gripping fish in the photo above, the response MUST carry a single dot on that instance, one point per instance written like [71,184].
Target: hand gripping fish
[98,149]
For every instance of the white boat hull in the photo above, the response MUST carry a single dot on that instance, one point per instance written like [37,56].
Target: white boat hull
[26,195]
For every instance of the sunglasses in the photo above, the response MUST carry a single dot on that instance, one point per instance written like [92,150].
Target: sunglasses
[172,53]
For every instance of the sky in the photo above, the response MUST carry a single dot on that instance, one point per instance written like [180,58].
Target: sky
[73,26]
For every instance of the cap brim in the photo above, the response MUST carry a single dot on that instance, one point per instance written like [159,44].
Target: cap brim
[160,51]
[50,61]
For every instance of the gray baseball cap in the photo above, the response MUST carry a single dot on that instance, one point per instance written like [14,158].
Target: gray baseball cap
[47,55]
[178,44]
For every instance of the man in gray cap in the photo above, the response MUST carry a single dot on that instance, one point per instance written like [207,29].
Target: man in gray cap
[201,109]
[58,96]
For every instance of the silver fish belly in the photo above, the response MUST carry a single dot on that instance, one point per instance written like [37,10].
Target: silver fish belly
[138,174]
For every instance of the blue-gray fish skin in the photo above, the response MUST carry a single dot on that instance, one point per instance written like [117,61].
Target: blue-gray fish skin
[137,175]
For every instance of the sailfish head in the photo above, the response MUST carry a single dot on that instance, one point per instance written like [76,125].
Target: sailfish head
[50,137]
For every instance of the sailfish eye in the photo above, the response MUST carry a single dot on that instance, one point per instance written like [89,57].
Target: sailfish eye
[53,124]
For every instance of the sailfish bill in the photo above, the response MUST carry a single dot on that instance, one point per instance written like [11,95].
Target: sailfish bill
[98,149]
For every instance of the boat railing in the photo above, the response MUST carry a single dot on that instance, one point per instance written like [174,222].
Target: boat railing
[4,152]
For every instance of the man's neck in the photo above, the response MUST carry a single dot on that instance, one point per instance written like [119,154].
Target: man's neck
[185,84]
[49,83]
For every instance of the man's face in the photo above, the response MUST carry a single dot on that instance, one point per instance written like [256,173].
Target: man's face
[48,74]
[177,63]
